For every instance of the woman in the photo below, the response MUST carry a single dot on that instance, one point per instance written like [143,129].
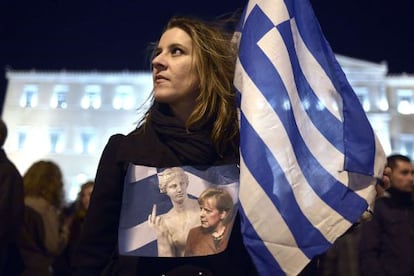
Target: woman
[211,236]
[75,213]
[81,208]
[192,121]
[42,238]
[172,227]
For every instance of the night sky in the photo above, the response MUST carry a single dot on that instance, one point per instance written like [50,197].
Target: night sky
[114,35]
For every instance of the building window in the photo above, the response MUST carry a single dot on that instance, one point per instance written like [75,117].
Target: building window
[59,98]
[405,98]
[92,97]
[86,138]
[407,145]
[383,104]
[124,97]
[21,140]
[362,94]
[56,145]
[29,97]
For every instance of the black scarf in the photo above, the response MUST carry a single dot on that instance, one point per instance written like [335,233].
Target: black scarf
[192,146]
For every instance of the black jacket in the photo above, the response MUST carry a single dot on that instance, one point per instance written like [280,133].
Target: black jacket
[11,216]
[387,241]
[157,146]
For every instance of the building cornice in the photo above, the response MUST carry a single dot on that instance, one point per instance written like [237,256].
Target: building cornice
[79,76]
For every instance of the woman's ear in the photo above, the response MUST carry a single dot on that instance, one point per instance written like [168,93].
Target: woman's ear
[223,215]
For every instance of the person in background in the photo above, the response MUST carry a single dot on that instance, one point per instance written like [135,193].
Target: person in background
[42,237]
[76,213]
[387,241]
[342,259]
[211,237]
[81,208]
[11,210]
[192,121]
[172,227]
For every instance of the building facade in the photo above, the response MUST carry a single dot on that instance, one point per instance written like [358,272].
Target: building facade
[68,117]
[388,101]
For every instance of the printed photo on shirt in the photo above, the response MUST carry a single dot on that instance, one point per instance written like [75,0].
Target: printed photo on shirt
[178,211]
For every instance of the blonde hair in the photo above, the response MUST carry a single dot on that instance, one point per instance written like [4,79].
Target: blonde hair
[81,193]
[44,179]
[223,200]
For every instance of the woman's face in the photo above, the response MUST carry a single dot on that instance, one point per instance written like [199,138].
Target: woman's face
[210,216]
[175,79]
[176,189]
[87,196]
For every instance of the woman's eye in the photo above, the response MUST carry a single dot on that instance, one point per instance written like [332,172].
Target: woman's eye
[176,51]
[155,54]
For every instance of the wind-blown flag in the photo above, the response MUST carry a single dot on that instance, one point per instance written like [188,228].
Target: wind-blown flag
[309,156]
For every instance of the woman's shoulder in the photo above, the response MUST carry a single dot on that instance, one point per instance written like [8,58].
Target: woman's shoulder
[37,203]
[118,137]
[41,206]
[115,140]
[143,146]
[120,141]
[136,135]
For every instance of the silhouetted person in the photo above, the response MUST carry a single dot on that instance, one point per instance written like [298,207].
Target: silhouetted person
[11,210]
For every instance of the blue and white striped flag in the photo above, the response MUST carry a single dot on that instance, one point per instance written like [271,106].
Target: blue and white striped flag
[309,156]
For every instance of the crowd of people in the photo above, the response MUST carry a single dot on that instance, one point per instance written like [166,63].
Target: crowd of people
[193,121]
[38,230]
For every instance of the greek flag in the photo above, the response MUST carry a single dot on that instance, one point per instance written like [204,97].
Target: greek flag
[309,156]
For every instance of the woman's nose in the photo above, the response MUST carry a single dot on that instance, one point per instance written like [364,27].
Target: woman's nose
[159,62]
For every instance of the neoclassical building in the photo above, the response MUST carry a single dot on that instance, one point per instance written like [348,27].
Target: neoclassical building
[388,101]
[68,117]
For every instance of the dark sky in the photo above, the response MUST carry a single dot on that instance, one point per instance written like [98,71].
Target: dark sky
[113,35]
